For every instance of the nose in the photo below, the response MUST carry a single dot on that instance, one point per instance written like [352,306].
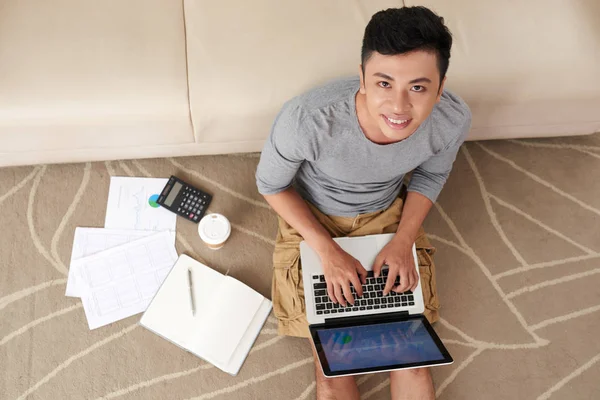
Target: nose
[401,102]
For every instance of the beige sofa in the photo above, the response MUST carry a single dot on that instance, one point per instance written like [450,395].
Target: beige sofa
[112,79]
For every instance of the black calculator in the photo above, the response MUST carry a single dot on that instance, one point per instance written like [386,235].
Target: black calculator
[184,199]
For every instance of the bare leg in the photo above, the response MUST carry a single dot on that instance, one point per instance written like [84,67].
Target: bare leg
[341,388]
[412,384]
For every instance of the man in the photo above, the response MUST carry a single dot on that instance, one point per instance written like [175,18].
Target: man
[334,166]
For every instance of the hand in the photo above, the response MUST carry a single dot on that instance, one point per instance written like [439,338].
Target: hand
[398,256]
[341,270]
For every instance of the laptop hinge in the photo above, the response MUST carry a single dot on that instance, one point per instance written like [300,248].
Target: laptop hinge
[361,318]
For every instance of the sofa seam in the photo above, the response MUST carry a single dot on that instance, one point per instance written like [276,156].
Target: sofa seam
[187,72]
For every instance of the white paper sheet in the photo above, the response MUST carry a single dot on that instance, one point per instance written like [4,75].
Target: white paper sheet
[130,205]
[89,241]
[121,281]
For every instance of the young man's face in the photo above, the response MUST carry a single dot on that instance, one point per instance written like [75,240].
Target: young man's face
[400,92]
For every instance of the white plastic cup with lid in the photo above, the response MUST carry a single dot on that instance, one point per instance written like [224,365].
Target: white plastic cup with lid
[214,230]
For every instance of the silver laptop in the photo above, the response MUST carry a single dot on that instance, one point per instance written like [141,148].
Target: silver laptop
[377,333]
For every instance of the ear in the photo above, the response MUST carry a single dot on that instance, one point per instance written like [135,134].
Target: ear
[439,96]
[362,88]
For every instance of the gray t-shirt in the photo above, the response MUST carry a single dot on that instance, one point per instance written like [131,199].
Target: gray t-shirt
[317,145]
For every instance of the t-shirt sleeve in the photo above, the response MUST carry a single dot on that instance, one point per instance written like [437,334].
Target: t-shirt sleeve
[284,151]
[429,177]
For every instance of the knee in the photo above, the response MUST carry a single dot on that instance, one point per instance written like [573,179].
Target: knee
[335,383]
[332,387]
[332,384]
[341,388]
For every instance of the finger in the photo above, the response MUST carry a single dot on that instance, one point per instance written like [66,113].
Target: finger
[379,261]
[356,282]
[362,272]
[415,282]
[403,286]
[410,279]
[337,289]
[389,283]
[347,294]
[330,291]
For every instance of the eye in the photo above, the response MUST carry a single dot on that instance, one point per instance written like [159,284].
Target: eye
[384,84]
[418,88]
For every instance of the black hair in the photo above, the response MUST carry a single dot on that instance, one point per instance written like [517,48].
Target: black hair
[402,30]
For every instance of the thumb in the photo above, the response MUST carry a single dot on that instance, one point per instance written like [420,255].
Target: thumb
[361,271]
[379,261]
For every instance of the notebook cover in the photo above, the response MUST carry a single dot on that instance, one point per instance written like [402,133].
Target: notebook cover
[229,314]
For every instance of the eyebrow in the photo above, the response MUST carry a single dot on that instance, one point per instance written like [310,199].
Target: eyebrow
[384,76]
[389,78]
[421,80]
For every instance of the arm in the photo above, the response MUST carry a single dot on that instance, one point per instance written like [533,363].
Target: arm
[292,208]
[397,254]
[283,154]
[339,267]
[287,147]
[425,186]
[415,210]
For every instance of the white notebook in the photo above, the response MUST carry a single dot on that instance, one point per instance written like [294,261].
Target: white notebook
[228,318]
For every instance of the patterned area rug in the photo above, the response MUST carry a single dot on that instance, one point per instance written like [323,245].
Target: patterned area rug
[518,239]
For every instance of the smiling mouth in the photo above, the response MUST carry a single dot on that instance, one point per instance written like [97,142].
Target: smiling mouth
[396,123]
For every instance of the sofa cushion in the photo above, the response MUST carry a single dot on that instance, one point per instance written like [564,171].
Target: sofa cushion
[246,58]
[92,74]
[527,68]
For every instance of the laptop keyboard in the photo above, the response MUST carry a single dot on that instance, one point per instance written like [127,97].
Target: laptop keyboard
[372,299]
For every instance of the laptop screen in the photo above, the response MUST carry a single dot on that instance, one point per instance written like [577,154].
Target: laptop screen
[396,344]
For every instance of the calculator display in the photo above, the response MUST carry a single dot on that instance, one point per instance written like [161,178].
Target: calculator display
[184,199]
[173,193]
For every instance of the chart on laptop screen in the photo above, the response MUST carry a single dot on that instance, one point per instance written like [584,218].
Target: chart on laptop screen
[379,345]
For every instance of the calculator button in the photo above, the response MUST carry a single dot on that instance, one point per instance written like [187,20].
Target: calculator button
[192,215]
[179,209]
[195,218]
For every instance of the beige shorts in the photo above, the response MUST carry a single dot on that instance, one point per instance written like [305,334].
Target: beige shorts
[288,289]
